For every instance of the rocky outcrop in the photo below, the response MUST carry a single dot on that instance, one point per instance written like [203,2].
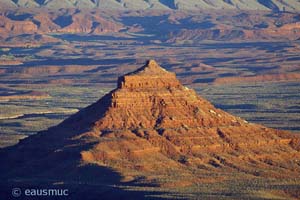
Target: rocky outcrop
[152,126]
[153,117]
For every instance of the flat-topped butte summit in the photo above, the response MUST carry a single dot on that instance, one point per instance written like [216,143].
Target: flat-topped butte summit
[150,75]
[153,127]
[152,97]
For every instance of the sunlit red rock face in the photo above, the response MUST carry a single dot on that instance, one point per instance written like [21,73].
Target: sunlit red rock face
[152,98]
[152,126]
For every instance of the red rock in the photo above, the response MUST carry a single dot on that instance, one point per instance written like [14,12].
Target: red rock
[164,120]
[152,126]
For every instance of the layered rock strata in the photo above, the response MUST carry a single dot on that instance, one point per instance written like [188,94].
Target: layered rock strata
[151,126]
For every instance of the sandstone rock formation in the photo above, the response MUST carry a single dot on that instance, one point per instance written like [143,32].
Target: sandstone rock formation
[154,122]
[151,126]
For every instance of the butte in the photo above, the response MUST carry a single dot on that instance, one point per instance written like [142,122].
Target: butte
[152,130]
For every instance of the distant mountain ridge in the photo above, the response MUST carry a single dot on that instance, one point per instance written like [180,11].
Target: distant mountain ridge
[274,5]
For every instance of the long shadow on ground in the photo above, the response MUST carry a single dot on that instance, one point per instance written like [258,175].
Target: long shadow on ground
[52,159]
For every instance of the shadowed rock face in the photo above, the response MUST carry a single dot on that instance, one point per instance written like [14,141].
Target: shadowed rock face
[154,127]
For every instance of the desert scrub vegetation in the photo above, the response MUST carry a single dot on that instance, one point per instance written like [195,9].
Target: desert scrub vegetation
[269,104]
